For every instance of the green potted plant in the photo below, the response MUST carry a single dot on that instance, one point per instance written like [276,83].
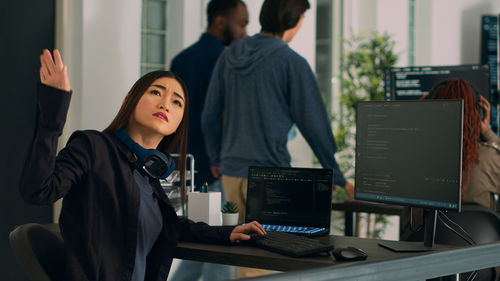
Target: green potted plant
[230,213]
[366,56]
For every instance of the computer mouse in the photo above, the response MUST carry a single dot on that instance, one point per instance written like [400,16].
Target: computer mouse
[349,254]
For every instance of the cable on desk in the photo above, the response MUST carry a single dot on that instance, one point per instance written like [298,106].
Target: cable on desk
[468,238]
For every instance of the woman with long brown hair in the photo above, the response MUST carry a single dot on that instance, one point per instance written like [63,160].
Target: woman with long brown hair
[116,222]
[481,147]
[480,152]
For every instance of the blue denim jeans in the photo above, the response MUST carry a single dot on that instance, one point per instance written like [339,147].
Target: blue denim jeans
[216,186]
[194,270]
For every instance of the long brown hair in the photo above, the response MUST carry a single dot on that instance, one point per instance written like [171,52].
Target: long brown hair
[461,89]
[174,142]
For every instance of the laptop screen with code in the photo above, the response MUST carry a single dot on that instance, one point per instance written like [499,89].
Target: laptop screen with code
[290,199]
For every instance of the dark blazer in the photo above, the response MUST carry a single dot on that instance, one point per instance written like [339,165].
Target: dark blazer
[94,174]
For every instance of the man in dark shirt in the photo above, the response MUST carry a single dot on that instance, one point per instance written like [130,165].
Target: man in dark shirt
[227,21]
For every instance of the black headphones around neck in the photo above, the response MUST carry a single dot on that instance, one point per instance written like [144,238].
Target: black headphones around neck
[153,162]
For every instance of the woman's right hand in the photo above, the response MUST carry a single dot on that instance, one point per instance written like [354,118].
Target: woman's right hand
[485,123]
[53,72]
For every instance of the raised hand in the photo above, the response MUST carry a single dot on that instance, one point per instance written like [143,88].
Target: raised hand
[53,72]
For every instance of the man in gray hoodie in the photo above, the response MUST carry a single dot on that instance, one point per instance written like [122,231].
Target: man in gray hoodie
[258,89]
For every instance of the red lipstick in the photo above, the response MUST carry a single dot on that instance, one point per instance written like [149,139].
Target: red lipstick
[161,115]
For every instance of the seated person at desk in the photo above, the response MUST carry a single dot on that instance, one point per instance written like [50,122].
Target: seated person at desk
[481,147]
[116,221]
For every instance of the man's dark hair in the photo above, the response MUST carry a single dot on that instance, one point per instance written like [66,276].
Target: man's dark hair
[276,16]
[220,8]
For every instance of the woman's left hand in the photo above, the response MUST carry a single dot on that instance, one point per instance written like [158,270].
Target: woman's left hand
[241,231]
[53,72]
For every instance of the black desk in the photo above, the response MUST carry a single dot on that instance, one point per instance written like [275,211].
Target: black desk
[382,264]
[356,206]
[242,255]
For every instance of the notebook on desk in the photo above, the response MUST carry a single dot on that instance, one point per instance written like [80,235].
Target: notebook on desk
[293,200]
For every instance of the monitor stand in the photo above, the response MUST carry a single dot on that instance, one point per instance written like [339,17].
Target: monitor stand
[430,216]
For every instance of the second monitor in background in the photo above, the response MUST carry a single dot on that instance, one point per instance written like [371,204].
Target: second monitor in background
[413,82]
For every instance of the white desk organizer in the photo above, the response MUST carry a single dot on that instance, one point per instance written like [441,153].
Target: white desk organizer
[205,207]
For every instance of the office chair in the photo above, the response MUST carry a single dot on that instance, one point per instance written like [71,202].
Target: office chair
[483,226]
[40,251]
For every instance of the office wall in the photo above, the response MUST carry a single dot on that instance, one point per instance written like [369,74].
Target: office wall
[24,31]
[389,16]
[100,42]
[452,33]
[446,32]
[110,58]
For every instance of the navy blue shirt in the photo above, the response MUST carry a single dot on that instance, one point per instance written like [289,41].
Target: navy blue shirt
[149,225]
[195,65]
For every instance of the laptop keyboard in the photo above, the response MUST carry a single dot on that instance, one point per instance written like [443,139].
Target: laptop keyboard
[289,244]
[293,229]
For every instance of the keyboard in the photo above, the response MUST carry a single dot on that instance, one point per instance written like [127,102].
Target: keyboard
[294,229]
[289,244]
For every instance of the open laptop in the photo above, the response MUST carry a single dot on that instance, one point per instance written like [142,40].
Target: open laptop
[294,200]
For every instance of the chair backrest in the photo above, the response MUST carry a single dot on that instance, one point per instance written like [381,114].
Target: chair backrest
[40,251]
[483,226]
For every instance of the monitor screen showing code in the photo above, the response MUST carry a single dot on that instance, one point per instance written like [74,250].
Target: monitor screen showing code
[409,153]
[411,83]
[289,196]
[490,55]
[489,47]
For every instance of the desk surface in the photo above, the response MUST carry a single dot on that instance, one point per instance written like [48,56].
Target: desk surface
[445,260]
[367,207]
[244,255]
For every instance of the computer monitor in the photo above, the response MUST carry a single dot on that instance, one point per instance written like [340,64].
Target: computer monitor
[290,197]
[489,47]
[413,82]
[489,55]
[410,153]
